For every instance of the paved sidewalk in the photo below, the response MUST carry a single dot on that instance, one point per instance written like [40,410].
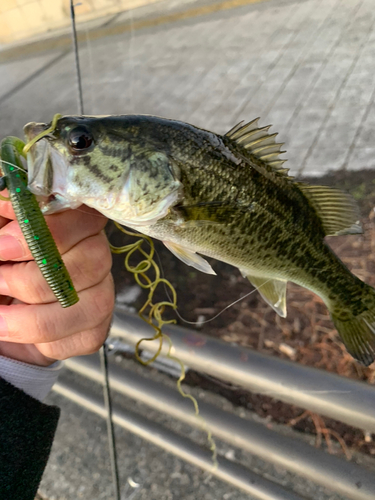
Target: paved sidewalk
[79,466]
[306,66]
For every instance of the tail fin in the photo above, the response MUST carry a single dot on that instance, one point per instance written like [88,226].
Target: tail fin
[358,332]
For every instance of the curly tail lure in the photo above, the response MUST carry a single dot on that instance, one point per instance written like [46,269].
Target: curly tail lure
[153,316]
[33,225]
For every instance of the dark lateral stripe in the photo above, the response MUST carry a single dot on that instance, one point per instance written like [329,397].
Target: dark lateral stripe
[122,152]
[95,170]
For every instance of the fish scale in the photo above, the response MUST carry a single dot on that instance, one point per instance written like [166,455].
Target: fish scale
[227,197]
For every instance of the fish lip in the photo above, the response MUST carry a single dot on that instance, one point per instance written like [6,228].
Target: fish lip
[48,177]
[32,129]
[37,158]
[37,165]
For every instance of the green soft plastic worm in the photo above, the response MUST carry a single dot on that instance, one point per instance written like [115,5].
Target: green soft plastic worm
[33,225]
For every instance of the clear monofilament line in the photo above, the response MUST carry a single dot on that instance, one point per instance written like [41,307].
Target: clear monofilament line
[103,350]
[76,57]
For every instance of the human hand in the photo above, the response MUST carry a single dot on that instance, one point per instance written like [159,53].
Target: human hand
[34,328]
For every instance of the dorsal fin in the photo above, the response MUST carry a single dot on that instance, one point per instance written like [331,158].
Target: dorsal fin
[259,143]
[337,210]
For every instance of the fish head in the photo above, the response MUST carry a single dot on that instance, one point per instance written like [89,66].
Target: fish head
[105,163]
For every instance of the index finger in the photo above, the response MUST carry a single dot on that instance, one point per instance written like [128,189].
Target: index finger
[67,228]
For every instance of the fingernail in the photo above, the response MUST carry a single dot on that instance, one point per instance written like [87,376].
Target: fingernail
[3,328]
[4,288]
[10,248]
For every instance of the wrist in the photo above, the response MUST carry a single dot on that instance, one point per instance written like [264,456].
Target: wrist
[36,381]
[25,353]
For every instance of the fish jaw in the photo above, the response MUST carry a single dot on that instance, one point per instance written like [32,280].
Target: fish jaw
[48,179]
[38,166]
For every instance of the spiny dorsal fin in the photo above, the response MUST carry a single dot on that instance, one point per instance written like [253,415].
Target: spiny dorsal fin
[337,210]
[259,143]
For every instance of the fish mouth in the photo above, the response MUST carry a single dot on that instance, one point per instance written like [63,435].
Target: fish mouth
[38,160]
[32,129]
[47,172]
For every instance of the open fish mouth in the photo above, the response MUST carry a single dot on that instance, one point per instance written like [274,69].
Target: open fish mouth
[47,172]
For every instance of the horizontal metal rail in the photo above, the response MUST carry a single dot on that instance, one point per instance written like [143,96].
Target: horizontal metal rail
[337,397]
[235,474]
[344,477]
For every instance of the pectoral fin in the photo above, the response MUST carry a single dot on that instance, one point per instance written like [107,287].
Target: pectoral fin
[273,292]
[189,257]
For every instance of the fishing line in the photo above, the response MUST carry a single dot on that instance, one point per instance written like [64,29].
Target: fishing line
[101,216]
[16,167]
[76,57]
[130,54]
[216,315]
[220,312]
[103,350]
[155,312]
[91,66]
[110,426]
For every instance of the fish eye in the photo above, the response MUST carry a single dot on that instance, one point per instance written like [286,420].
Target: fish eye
[80,139]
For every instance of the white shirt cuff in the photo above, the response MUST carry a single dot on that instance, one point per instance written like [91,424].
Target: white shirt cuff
[35,380]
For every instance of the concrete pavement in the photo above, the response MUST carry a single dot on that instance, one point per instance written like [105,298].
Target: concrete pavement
[79,466]
[305,66]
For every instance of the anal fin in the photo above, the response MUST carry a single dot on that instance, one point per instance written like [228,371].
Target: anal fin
[189,257]
[273,292]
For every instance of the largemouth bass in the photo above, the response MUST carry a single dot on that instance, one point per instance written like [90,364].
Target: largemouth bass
[226,197]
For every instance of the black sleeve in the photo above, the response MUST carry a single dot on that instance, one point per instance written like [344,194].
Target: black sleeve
[27,428]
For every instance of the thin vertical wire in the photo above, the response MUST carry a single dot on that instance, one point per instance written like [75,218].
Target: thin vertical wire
[110,428]
[103,349]
[76,56]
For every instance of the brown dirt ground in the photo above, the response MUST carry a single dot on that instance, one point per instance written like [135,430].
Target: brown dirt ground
[306,336]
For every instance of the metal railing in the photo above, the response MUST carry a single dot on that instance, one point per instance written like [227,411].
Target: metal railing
[346,400]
